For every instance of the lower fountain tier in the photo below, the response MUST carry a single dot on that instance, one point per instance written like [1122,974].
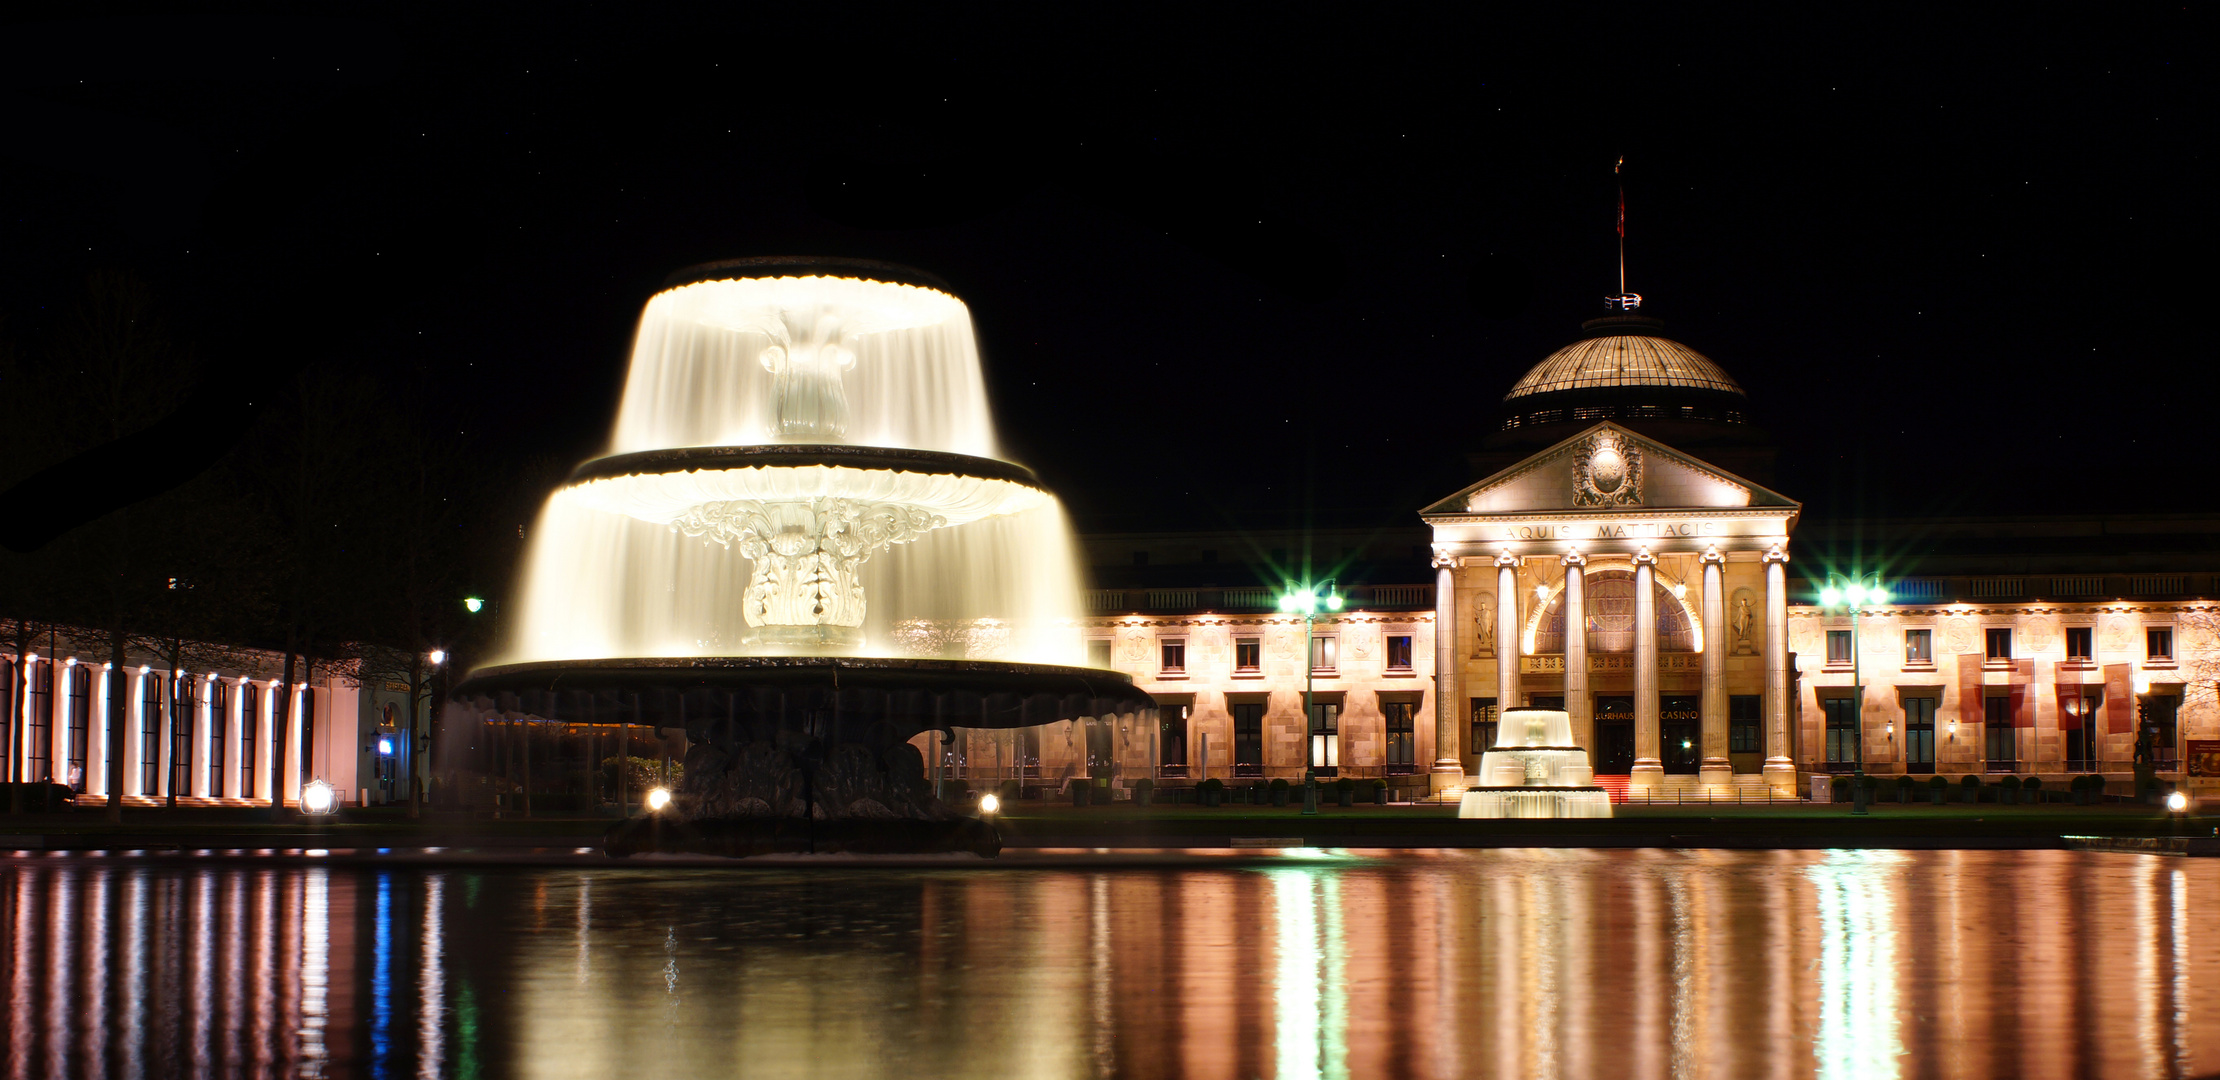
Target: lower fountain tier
[1535,802]
[733,700]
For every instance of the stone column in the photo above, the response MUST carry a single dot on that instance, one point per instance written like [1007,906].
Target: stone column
[1577,704]
[1649,767]
[1780,770]
[1449,767]
[1716,769]
[1506,634]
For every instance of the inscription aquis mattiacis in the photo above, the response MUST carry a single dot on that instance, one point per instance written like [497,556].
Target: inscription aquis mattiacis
[1613,530]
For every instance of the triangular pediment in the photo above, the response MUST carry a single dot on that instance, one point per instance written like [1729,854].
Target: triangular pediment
[1608,469]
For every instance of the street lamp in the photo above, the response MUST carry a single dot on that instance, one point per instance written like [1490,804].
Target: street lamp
[1310,600]
[473,604]
[1853,594]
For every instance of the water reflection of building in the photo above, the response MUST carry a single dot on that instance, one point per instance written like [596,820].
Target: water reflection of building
[1626,492]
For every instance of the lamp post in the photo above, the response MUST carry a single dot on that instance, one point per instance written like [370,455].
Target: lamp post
[1862,589]
[1309,600]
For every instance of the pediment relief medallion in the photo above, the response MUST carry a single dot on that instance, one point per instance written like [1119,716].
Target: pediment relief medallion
[2039,634]
[1607,471]
[1959,635]
[2119,633]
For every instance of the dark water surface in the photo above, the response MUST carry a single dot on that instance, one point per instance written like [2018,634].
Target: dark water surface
[1421,964]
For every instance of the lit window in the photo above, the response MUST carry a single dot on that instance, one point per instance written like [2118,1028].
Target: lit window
[1919,646]
[2000,643]
[1175,657]
[1399,652]
[1324,651]
[1248,654]
[2161,642]
[1838,646]
[2081,642]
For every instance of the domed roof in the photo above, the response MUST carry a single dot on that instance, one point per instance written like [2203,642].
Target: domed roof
[1625,351]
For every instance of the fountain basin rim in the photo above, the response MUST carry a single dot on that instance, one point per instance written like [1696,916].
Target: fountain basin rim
[798,455]
[1494,749]
[1536,787]
[802,266]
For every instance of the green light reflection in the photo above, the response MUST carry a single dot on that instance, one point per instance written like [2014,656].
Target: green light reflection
[1313,993]
[1858,1034]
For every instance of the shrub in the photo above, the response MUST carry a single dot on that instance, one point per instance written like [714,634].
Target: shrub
[1144,791]
[2008,788]
[1345,784]
[1279,791]
[1839,789]
[1937,783]
[1970,788]
[2033,786]
[1905,787]
[1279,784]
[1212,784]
[956,790]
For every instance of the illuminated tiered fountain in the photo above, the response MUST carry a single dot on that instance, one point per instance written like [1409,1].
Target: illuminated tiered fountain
[1535,771]
[803,550]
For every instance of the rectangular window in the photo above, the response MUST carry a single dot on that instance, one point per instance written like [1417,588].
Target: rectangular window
[1919,734]
[1745,733]
[2000,643]
[1248,655]
[1248,739]
[1399,652]
[2158,717]
[150,736]
[1919,646]
[1483,725]
[80,721]
[2001,743]
[1098,652]
[1325,737]
[1402,736]
[181,733]
[218,701]
[1174,654]
[41,765]
[308,735]
[2159,643]
[250,719]
[1324,651]
[1171,745]
[1842,730]
[2081,642]
[1838,646]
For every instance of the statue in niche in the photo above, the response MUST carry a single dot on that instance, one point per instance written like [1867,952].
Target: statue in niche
[1743,622]
[1483,626]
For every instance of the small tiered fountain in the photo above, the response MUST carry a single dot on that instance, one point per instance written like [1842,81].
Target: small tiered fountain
[1535,771]
[803,550]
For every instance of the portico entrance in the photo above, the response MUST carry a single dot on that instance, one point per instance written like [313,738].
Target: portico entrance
[1607,563]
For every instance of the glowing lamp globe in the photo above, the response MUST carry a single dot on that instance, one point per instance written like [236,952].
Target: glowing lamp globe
[658,798]
[319,798]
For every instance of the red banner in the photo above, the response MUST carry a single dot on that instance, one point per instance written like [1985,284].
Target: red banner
[2119,698]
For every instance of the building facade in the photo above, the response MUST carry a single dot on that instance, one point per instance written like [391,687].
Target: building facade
[205,734]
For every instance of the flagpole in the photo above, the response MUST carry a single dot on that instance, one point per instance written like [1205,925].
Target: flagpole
[1622,222]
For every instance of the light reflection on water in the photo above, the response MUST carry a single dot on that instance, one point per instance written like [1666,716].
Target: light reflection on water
[1507,963]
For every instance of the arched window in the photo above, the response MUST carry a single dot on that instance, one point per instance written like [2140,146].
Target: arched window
[1610,608]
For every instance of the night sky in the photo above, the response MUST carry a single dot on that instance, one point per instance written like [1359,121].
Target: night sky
[1229,272]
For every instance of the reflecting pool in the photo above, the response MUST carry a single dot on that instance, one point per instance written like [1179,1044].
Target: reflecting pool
[1417,964]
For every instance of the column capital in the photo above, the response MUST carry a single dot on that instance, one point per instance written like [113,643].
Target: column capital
[1712,555]
[1443,560]
[1507,560]
[1642,557]
[1573,558]
[1776,554]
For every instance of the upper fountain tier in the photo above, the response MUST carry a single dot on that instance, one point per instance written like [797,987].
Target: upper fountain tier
[753,352]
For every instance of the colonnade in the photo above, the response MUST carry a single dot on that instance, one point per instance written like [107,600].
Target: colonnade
[51,701]
[1779,768]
